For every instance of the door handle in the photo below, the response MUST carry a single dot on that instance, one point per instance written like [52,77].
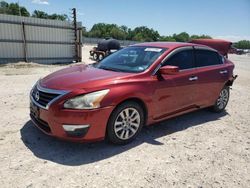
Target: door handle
[193,78]
[223,72]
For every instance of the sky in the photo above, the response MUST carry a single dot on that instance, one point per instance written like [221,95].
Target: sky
[225,19]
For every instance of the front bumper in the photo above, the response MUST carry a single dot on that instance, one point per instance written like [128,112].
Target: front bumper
[72,125]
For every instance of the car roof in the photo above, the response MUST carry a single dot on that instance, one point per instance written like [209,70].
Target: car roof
[218,45]
[169,45]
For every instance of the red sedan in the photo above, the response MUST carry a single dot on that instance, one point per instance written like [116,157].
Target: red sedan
[136,86]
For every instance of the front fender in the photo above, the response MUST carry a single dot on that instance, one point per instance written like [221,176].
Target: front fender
[119,94]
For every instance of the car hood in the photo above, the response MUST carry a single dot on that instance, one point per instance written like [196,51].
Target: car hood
[81,77]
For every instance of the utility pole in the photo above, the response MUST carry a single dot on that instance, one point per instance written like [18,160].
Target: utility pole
[23,34]
[75,34]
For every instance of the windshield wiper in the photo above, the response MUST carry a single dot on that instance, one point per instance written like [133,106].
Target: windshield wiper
[110,69]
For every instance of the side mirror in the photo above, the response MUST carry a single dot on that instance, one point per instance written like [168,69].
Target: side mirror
[169,70]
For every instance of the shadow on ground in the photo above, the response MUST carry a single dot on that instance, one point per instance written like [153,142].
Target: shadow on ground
[74,154]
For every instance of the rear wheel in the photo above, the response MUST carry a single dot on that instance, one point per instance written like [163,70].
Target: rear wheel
[101,57]
[125,123]
[222,100]
[95,56]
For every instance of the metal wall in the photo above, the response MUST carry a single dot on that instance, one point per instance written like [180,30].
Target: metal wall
[38,40]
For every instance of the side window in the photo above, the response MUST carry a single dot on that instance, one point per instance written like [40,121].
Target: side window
[183,59]
[222,58]
[207,58]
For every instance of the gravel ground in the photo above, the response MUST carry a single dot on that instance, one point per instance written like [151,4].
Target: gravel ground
[200,149]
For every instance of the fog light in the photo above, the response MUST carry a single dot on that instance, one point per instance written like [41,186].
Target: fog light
[74,127]
[76,130]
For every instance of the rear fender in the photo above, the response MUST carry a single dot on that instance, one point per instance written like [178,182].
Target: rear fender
[231,80]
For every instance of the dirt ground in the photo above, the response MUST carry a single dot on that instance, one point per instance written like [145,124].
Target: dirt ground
[200,149]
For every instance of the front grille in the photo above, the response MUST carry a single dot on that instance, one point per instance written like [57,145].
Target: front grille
[41,124]
[43,98]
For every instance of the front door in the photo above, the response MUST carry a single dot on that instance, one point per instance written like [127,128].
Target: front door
[176,93]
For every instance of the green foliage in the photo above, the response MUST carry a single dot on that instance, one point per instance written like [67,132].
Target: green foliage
[44,15]
[24,12]
[145,34]
[117,33]
[15,9]
[243,44]
[181,37]
[39,14]
[167,38]
[200,37]
[102,30]
[142,34]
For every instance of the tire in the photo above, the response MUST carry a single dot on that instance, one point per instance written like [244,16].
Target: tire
[125,123]
[95,56]
[101,57]
[222,100]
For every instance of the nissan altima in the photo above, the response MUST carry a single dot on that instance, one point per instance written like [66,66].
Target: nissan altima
[137,86]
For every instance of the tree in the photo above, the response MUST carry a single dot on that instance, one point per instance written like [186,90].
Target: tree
[139,37]
[3,7]
[124,28]
[44,15]
[40,14]
[243,44]
[24,12]
[125,31]
[130,34]
[143,33]
[200,37]
[102,30]
[181,37]
[167,38]
[85,32]
[98,30]
[117,33]
[13,9]
[61,17]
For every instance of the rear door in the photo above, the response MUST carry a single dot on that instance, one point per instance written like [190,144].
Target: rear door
[176,93]
[212,75]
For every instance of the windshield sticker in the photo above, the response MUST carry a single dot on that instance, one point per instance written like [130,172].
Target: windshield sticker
[153,50]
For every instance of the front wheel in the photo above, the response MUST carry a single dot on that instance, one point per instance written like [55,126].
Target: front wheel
[222,100]
[125,123]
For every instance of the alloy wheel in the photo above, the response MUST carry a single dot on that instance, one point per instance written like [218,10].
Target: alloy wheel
[127,123]
[223,99]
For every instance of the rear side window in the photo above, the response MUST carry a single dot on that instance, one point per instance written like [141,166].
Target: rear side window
[207,58]
[183,60]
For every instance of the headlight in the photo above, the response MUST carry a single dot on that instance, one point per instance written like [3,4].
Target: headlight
[88,101]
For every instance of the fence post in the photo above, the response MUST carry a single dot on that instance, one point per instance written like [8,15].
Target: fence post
[75,34]
[80,44]
[24,43]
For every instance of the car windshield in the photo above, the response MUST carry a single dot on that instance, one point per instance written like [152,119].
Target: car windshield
[131,59]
